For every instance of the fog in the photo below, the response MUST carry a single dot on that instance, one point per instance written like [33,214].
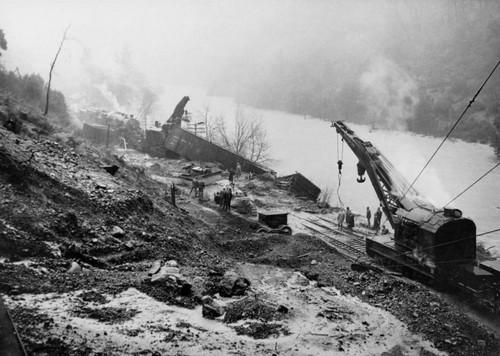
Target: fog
[253,50]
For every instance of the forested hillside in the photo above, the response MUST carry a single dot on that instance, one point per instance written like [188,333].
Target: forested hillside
[417,71]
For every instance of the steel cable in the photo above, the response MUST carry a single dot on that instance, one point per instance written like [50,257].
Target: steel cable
[453,127]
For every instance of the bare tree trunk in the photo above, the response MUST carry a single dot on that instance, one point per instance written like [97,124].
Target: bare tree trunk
[50,73]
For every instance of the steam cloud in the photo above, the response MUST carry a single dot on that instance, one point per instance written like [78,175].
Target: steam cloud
[391,94]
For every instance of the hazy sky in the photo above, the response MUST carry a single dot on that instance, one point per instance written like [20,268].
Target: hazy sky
[179,39]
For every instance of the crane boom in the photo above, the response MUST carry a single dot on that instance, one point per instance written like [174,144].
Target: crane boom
[390,186]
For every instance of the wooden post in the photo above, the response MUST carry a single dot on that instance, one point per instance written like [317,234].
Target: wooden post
[172,193]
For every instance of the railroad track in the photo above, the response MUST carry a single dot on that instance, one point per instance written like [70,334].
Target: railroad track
[351,246]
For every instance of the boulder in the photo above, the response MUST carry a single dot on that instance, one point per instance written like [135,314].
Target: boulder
[74,268]
[155,267]
[117,231]
[164,273]
[233,284]
[210,308]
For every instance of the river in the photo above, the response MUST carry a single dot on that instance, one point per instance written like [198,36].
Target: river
[309,146]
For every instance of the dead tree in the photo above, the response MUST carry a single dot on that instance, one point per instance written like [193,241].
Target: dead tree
[51,69]
[248,137]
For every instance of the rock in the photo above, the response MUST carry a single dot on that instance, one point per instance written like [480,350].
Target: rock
[186,289]
[164,273]
[233,284]
[111,169]
[172,263]
[254,225]
[314,262]
[100,185]
[155,268]
[211,309]
[282,309]
[117,231]
[75,268]
[240,286]
[129,246]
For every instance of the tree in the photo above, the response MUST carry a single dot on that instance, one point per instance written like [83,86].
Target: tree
[3,41]
[51,69]
[248,136]
[212,123]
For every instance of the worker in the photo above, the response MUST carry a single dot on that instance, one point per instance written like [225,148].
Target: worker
[194,186]
[222,197]
[237,173]
[226,199]
[231,176]
[340,220]
[217,198]
[368,215]
[349,218]
[376,219]
[229,198]
[201,188]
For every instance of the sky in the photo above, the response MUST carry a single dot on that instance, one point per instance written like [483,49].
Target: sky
[173,40]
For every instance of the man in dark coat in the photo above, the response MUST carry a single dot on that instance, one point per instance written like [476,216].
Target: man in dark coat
[349,218]
[222,198]
[377,218]
[226,198]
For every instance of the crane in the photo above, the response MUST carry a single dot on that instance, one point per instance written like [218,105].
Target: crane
[436,236]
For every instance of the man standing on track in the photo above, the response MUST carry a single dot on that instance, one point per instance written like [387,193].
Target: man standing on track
[340,220]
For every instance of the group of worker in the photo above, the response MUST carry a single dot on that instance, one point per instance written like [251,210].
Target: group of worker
[223,198]
[348,217]
[198,187]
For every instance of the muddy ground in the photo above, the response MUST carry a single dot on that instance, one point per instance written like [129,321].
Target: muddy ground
[77,246]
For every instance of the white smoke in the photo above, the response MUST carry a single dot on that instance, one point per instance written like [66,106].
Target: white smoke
[391,94]
[109,96]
